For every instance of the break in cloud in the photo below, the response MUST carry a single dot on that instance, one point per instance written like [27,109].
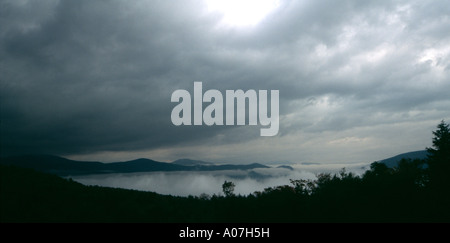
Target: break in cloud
[358,80]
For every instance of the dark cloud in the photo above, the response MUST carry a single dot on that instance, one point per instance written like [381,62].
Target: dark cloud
[82,77]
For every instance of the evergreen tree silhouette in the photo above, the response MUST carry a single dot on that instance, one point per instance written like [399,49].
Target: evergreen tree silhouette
[439,156]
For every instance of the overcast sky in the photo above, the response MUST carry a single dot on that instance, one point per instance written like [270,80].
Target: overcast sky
[359,80]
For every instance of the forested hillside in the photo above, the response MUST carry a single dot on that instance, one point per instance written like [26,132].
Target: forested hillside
[409,192]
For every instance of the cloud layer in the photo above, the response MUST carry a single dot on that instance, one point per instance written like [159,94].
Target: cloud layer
[358,81]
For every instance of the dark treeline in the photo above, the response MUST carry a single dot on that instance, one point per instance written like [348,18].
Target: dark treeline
[413,191]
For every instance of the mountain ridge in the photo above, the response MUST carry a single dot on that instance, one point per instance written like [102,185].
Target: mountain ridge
[393,161]
[65,167]
[191,162]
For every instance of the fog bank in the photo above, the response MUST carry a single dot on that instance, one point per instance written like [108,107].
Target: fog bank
[209,182]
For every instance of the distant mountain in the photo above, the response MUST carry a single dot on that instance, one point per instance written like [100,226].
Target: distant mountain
[280,162]
[190,162]
[235,167]
[208,166]
[393,161]
[309,163]
[252,175]
[64,167]
[286,167]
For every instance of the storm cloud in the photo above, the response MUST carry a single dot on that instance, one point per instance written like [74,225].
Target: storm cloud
[358,80]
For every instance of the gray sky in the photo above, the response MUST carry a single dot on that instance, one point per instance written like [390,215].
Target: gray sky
[359,80]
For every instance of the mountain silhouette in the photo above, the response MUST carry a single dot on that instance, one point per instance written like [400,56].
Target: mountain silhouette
[190,162]
[393,161]
[285,167]
[65,167]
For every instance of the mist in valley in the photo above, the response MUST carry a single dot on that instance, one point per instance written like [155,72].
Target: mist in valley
[196,183]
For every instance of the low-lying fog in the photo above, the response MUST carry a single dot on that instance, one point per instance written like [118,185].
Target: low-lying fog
[210,182]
